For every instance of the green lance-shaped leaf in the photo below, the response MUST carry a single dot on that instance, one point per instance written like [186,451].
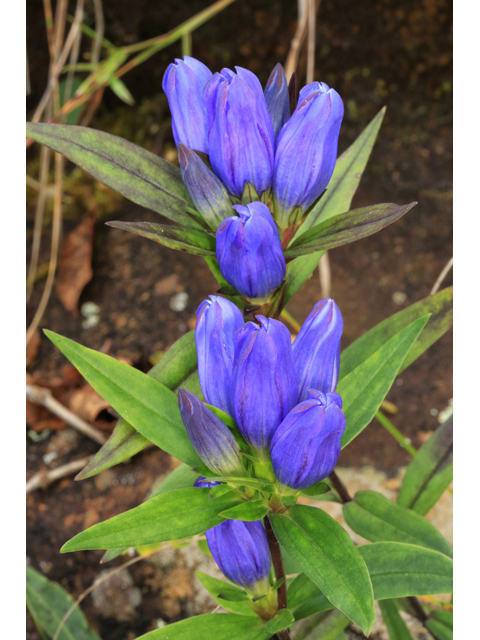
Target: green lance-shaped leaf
[398,570]
[440,306]
[347,227]
[337,199]
[439,630]
[397,629]
[48,602]
[247,511]
[135,173]
[322,626]
[377,518]
[147,405]
[364,388]
[172,516]
[282,620]
[226,595]
[176,367]
[430,472]
[346,177]
[216,626]
[325,553]
[190,240]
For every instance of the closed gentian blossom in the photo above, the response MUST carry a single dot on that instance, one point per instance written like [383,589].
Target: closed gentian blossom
[241,139]
[183,84]
[249,251]
[306,446]
[277,98]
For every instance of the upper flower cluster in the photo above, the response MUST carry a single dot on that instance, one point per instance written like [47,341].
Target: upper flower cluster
[281,395]
[252,138]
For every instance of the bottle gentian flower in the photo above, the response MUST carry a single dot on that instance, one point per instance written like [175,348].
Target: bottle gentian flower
[207,192]
[241,551]
[306,446]
[249,251]
[217,321]
[241,139]
[264,385]
[306,151]
[211,438]
[277,98]
[316,349]
[183,84]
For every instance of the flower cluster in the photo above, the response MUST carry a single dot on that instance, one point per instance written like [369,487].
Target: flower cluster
[275,161]
[281,395]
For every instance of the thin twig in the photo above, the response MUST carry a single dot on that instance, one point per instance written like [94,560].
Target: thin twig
[325,275]
[97,583]
[99,30]
[42,479]
[44,398]
[75,52]
[312,11]
[441,277]
[417,608]
[296,326]
[340,488]
[298,38]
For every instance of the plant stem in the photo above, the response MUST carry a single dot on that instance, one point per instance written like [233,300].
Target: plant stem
[340,488]
[279,569]
[393,431]
[417,607]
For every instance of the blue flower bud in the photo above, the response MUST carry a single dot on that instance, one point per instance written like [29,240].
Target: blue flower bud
[211,438]
[306,446]
[217,320]
[277,98]
[207,192]
[249,251]
[307,150]
[264,385]
[316,349]
[183,83]
[241,551]
[241,139]
[202,482]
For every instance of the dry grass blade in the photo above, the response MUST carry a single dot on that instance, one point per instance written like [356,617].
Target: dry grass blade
[45,155]
[442,277]
[298,38]
[42,479]
[99,30]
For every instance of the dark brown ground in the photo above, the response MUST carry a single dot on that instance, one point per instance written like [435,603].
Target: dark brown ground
[394,53]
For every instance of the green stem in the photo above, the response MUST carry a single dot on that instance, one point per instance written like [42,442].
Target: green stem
[393,431]
[291,320]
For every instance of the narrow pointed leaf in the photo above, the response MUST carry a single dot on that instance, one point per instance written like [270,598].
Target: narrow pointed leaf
[282,620]
[172,516]
[377,518]
[322,626]
[48,603]
[326,554]
[147,405]
[189,240]
[439,630]
[347,227]
[137,174]
[180,478]
[174,368]
[430,472]
[247,511]
[398,570]
[298,271]
[364,389]
[218,626]
[226,595]
[440,306]
[346,176]
[397,629]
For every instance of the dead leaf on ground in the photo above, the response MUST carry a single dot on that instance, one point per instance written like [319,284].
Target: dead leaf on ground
[86,403]
[168,285]
[75,267]
[32,347]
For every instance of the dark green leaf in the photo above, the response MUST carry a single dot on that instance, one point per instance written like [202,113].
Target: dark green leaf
[298,271]
[181,238]
[147,405]
[347,227]
[180,478]
[316,490]
[171,516]
[326,554]
[440,306]
[322,626]
[315,604]
[282,620]
[137,174]
[226,595]
[397,629]
[439,630]
[445,617]
[430,472]
[398,570]
[111,554]
[300,590]
[346,176]
[217,626]
[377,518]
[176,367]
[248,511]
[364,389]
[48,602]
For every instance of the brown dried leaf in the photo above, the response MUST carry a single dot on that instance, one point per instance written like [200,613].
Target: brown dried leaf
[75,267]
[87,404]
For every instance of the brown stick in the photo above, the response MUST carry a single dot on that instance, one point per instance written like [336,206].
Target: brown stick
[42,479]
